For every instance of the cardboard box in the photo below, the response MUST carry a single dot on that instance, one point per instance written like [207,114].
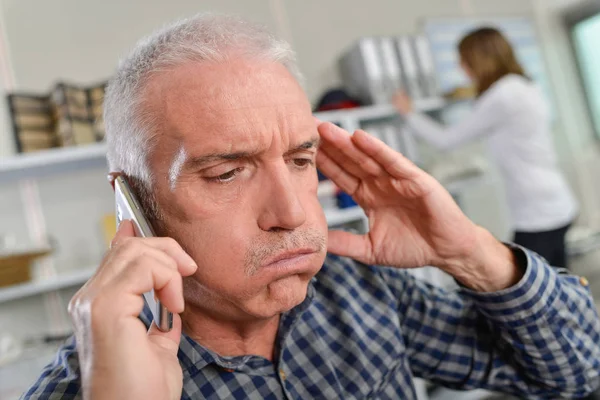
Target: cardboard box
[15,267]
[109,228]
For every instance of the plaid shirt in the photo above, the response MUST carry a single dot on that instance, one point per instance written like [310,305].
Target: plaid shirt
[366,332]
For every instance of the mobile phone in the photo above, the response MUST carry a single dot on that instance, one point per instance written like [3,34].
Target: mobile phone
[128,207]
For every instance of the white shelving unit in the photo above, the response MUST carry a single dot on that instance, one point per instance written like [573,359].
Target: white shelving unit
[351,119]
[63,281]
[378,111]
[52,161]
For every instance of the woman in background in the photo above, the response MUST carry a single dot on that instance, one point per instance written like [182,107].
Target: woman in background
[512,114]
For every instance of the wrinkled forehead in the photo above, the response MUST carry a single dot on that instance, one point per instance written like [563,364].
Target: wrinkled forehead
[228,107]
[226,96]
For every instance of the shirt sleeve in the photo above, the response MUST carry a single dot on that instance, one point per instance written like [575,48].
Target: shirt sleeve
[60,379]
[488,112]
[539,338]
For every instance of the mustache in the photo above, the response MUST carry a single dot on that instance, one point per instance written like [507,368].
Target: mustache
[264,249]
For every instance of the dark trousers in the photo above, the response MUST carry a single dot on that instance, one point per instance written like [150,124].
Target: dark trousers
[549,244]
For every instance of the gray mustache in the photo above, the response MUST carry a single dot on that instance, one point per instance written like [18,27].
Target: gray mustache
[260,251]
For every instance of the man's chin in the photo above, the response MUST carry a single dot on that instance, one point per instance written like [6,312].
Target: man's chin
[282,295]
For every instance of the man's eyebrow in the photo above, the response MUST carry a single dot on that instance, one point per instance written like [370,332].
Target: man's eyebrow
[205,159]
[309,144]
[196,162]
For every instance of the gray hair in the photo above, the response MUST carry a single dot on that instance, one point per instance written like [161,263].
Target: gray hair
[202,38]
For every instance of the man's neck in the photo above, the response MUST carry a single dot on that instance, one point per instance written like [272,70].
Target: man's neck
[232,338]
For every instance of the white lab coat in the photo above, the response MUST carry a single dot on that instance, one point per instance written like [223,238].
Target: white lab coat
[514,118]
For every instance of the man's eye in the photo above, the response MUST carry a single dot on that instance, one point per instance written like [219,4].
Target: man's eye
[226,177]
[302,162]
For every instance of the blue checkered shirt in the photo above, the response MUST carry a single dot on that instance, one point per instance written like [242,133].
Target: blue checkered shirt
[366,332]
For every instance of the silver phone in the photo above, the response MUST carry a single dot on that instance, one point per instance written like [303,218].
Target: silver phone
[128,207]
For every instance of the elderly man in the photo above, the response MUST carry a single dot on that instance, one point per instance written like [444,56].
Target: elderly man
[208,121]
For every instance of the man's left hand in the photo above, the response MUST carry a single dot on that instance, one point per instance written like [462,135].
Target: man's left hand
[413,220]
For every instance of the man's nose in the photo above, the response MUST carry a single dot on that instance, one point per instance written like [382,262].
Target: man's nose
[282,208]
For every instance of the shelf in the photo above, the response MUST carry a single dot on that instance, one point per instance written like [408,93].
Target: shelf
[375,112]
[429,105]
[342,216]
[52,162]
[32,288]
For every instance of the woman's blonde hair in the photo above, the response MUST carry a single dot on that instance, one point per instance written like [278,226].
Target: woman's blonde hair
[489,55]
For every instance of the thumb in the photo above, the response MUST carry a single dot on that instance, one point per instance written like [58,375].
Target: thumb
[125,230]
[169,341]
[348,244]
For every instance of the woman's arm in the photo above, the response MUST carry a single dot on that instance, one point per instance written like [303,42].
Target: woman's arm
[488,112]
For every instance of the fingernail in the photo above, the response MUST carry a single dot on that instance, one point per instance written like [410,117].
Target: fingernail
[192,262]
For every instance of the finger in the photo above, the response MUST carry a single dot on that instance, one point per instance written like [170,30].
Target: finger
[171,295]
[187,265]
[127,249]
[350,245]
[108,268]
[343,179]
[123,295]
[146,274]
[121,258]
[168,245]
[125,230]
[393,162]
[339,144]
[167,340]
[347,156]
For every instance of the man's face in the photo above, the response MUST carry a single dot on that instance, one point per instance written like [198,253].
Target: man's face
[239,142]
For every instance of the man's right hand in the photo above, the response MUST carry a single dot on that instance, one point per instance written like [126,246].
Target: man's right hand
[119,357]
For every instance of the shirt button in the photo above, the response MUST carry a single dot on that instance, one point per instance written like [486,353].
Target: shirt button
[584,282]
[282,374]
